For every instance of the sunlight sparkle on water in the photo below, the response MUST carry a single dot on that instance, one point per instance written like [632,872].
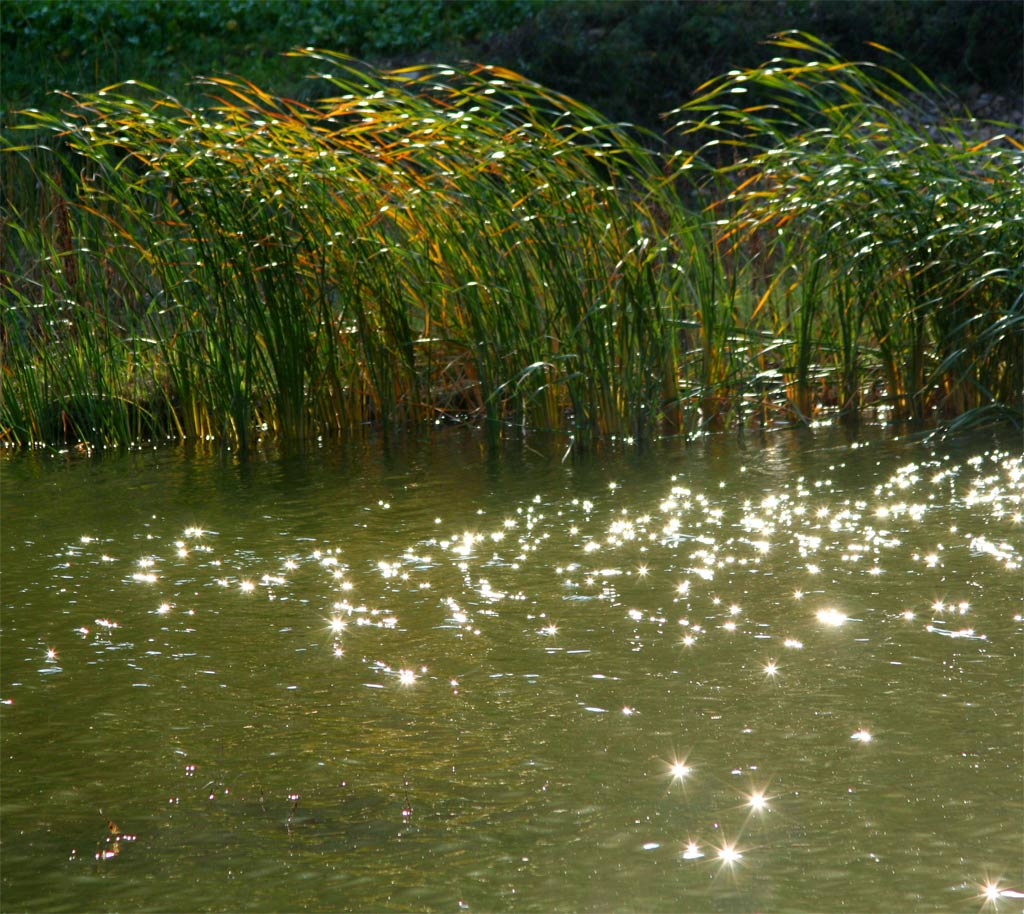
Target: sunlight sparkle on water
[757,801]
[728,854]
[146,577]
[831,617]
[992,893]
[679,770]
[674,579]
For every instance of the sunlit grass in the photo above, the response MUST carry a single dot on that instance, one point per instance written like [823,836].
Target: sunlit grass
[889,241]
[436,245]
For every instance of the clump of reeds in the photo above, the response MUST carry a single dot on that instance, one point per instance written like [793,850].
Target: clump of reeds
[889,241]
[437,243]
[463,244]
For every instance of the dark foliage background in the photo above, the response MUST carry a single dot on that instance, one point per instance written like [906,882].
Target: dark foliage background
[630,59]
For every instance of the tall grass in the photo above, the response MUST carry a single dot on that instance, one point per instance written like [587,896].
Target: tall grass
[896,238]
[445,244]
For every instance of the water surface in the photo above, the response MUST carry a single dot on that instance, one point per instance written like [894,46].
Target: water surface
[775,675]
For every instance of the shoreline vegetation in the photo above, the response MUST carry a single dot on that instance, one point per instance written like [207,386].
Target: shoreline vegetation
[819,236]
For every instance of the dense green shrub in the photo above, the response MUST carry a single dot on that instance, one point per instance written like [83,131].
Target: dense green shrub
[84,44]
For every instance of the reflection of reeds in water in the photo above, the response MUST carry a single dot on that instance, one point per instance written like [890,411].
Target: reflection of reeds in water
[112,843]
[438,244]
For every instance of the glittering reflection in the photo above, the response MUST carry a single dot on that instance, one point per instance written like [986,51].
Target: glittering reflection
[831,617]
[692,851]
[679,770]
[687,615]
[729,856]
[992,894]
[757,801]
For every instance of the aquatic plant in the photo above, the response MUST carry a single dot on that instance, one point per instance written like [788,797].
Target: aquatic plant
[893,237]
[438,244]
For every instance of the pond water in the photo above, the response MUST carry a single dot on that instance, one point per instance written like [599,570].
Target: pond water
[777,675]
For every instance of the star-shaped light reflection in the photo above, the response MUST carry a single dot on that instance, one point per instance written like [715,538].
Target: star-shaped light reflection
[679,770]
[757,801]
[729,855]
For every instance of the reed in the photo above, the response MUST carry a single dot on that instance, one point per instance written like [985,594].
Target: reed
[900,236]
[442,244]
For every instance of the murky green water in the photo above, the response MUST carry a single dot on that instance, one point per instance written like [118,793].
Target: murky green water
[785,677]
